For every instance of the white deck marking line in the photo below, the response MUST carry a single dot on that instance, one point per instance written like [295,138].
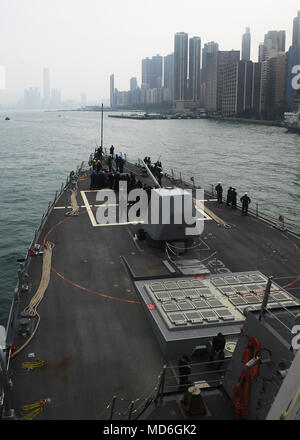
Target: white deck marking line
[69,207]
[120,224]
[92,217]
[88,208]
[205,216]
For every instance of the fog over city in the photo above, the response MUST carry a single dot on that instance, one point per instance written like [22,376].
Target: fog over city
[84,42]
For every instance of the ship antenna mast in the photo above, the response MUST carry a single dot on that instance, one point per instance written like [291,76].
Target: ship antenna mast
[102,126]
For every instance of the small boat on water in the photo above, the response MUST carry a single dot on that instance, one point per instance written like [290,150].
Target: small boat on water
[7,118]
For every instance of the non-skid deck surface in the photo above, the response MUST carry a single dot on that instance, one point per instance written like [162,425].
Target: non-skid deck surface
[93,334]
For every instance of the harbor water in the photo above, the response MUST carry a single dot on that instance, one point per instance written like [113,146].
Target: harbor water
[39,149]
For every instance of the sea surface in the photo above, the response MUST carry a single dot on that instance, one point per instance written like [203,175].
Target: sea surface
[38,150]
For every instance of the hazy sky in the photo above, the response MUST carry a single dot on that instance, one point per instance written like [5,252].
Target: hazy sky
[84,41]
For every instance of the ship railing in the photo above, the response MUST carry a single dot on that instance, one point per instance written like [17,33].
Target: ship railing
[282,222]
[167,384]
[22,283]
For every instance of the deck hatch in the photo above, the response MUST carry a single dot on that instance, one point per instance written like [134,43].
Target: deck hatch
[225,314]
[237,301]
[251,299]
[170,307]
[193,317]
[177,318]
[227,290]
[192,294]
[215,303]
[200,304]
[156,287]
[163,296]
[209,315]
[219,282]
[177,295]
[171,285]
[185,305]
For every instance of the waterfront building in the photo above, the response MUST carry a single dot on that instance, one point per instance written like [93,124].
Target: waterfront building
[274,43]
[156,72]
[146,71]
[168,78]
[292,60]
[273,92]
[246,45]
[208,48]
[211,82]
[152,69]
[296,31]
[194,84]
[133,84]
[241,89]
[224,58]
[180,66]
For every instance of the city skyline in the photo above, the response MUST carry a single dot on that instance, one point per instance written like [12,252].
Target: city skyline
[78,66]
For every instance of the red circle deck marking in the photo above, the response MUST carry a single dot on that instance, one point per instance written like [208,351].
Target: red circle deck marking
[75,284]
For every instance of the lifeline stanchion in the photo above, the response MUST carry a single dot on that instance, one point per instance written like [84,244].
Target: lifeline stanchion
[130,410]
[160,389]
[113,403]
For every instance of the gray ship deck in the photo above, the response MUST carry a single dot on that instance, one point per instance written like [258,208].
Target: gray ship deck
[93,335]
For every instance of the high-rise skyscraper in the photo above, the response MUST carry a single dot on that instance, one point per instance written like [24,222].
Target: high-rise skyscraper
[169,76]
[209,48]
[241,88]
[211,81]
[274,43]
[133,84]
[194,69]
[273,90]
[293,58]
[224,58]
[296,34]
[146,71]
[156,71]
[180,66]
[46,84]
[246,45]
[296,31]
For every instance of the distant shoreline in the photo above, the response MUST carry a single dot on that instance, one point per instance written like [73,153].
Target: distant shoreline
[249,121]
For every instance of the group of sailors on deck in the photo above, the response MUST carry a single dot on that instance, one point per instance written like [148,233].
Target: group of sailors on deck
[108,171]
[156,168]
[232,198]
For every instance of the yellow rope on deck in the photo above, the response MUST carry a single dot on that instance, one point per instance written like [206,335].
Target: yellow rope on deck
[74,204]
[217,219]
[32,365]
[39,295]
[34,408]
[211,214]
